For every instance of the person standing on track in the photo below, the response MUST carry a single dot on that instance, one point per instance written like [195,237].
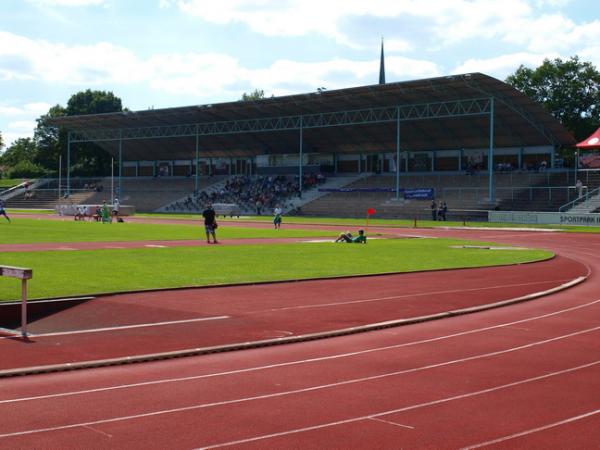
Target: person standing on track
[434,210]
[2,210]
[115,210]
[277,219]
[210,223]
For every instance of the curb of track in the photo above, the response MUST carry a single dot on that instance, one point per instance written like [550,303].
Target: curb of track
[279,341]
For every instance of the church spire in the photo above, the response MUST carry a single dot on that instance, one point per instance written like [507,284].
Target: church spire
[381,66]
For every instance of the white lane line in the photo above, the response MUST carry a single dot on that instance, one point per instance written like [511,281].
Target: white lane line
[292,363]
[406,408]
[389,422]
[155,246]
[533,430]
[419,294]
[128,327]
[319,388]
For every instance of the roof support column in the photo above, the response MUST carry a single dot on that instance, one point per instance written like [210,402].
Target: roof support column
[68,165]
[120,193]
[492,197]
[301,160]
[398,153]
[196,175]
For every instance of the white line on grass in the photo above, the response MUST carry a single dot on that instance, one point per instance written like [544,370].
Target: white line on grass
[297,362]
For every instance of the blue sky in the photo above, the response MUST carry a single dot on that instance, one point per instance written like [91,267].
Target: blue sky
[163,53]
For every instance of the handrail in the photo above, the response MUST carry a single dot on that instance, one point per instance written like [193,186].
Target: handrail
[578,200]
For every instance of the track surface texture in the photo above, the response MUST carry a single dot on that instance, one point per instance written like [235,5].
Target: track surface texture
[521,376]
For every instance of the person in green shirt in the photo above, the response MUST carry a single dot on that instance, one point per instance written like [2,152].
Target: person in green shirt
[348,238]
[105,213]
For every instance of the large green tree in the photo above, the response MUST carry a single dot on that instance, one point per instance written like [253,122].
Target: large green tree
[86,158]
[19,159]
[569,90]
[50,141]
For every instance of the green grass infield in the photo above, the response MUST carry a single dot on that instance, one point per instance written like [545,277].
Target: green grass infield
[61,273]
[28,231]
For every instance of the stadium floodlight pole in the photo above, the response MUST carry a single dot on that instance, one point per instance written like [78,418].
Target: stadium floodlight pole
[68,164]
[196,179]
[491,153]
[398,153]
[301,161]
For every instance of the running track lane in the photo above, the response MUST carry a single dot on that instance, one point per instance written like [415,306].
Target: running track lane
[122,325]
[525,376]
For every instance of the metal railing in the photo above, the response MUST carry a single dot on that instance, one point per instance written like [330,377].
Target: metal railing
[579,200]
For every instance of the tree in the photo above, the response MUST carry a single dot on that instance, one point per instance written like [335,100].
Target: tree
[569,90]
[86,158]
[254,95]
[1,141]
[19,159]
[23,149]
[49,140]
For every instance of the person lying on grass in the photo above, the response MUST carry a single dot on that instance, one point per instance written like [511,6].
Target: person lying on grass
[347,237]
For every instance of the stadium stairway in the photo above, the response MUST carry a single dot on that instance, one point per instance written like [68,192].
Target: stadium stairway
[309,196]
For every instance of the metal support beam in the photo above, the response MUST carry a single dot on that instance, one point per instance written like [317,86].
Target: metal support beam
[422,111]
[69,137]
[491,153]
[120,168]
[398,157]
[301,160]
[197,175]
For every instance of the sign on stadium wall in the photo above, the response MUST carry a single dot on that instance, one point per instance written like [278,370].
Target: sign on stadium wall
[544,218]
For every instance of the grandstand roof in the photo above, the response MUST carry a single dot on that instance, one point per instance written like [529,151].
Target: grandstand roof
[518,122]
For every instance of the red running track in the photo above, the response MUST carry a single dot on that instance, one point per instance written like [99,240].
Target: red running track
[130,325]
[524,376]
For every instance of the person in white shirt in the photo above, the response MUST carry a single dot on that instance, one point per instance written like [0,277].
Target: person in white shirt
[277,219]
[115,209]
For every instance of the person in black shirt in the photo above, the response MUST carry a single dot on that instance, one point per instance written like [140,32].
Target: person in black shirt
[210,223]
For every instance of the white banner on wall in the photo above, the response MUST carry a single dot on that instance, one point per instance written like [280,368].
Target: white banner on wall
[546,218]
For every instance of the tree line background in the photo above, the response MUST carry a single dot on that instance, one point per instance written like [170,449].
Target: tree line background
[569,90]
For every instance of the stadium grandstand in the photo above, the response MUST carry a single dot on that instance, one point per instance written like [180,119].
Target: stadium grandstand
[470,140]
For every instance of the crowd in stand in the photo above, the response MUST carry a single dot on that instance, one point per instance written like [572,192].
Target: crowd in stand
[259,195]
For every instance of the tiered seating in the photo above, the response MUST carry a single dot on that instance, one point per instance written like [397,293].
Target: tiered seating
[149,194]
[251,195]
[470,197]
[544,191]
[466,195]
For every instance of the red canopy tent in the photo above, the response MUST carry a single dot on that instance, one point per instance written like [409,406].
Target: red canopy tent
[591,143]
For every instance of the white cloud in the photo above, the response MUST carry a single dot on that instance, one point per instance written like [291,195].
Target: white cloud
[207,75]
[449,22]
[397,45]
[504,65]
[16,130]
[68,2]
[36,109]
